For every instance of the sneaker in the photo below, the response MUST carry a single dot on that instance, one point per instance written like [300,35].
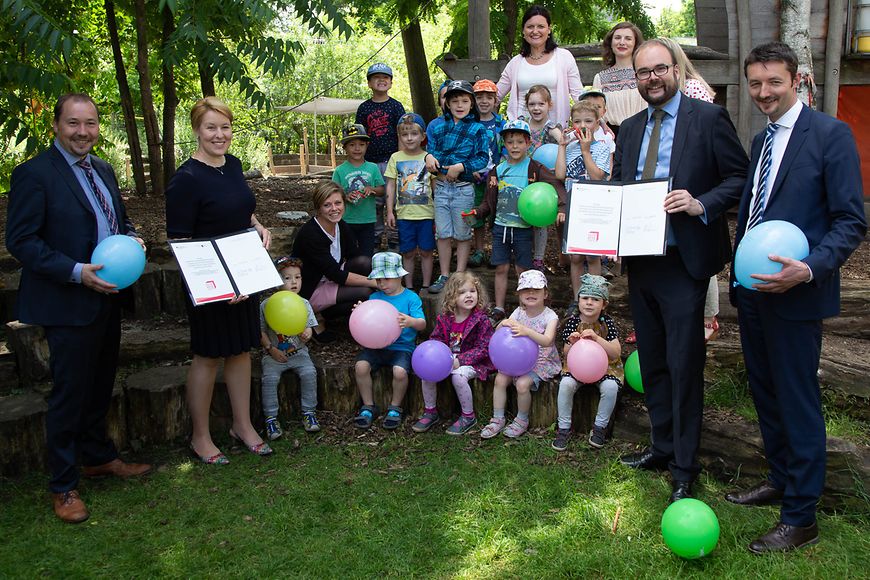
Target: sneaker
[477,259]
[273,428]
[496,315]
[560,443]
[494,428]
[462,426]
[597,437]
[425,422]
[572,310]
[538,265]
[438,285]
[309,421]
[516,428]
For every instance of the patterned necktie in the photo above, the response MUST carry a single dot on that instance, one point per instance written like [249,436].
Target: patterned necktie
[756,210]
[652,150]
[101,199]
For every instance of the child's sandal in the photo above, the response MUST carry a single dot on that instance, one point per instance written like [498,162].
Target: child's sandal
[366,416]
[516,428]
[393,418]
[494,427]
[425,422]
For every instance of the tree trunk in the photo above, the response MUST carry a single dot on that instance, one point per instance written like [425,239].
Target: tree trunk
[152,133]
[418,71]
[127,108]
[206,78]
[511,11]
[794,30]
[170,101]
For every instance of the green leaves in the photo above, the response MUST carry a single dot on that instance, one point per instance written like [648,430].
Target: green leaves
[35,30]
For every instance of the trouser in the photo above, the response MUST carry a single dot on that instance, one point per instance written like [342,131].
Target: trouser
[608,389]
[301,364]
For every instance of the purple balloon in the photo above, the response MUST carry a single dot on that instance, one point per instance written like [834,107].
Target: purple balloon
[514,356]
[432,361]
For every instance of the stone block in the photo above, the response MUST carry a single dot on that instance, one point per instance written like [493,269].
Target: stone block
[155,406]
[22,431]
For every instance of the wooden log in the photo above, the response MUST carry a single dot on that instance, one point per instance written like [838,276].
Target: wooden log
[8,372]
[116,417]
[173,294]
[155,345]
[22,430]
[156,409]
[9,295]
[31,353]
[478,30]
[146,293]
[744,102]
[332,162]
[833,54]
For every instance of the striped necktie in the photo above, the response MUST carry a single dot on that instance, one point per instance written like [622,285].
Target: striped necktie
[101,199]
[756,210]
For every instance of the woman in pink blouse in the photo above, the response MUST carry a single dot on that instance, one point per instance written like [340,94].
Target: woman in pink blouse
[540,62]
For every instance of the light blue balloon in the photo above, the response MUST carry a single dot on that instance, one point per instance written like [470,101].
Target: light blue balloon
[123,260]
[774,237]
[546,155]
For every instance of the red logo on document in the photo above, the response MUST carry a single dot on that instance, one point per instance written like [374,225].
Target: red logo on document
[592,236]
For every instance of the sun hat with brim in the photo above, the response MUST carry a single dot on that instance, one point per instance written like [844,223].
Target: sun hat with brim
[592,93]
[531,280]
[387,265]
[518,125]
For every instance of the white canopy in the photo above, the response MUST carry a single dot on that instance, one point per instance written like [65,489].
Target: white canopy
[326,106]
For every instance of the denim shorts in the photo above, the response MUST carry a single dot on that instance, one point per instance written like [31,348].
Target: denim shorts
[386,358]
[452,199]
[415,234]
[507,241]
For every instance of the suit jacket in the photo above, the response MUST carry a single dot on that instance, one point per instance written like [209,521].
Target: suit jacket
[708,161]
[50,226]
[818,188]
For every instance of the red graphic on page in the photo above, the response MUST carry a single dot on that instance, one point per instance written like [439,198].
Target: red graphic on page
[591,236]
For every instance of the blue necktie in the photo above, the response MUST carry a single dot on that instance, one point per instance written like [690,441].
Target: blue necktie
[756,210]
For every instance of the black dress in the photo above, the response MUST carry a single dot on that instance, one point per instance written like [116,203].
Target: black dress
[202,202]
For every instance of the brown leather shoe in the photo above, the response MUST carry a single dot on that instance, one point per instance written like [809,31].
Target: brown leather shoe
[762,494]
[69,507]
[784,538]
[117,468]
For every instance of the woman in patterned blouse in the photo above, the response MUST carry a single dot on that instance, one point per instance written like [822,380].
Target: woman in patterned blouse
[617,80]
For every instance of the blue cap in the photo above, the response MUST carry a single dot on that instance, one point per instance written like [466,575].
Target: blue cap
[517,125]
[412,118]
[379,68]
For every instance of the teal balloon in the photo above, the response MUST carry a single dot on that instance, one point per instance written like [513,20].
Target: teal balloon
[632,372]
[546,155]
[123,260]
[774,237]
[538,204]
[690,528]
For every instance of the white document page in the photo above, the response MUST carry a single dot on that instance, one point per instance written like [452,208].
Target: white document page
[644,227]
[248,262]
[206,279]
[593,219]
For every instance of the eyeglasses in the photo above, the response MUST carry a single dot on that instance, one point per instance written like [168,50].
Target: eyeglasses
[659,70]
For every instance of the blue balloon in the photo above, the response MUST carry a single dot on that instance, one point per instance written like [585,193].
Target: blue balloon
[774,237]
[123,260]
[546,155]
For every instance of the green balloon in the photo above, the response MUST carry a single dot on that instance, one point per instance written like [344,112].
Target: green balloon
[690,528]
[538,204]
[632,372]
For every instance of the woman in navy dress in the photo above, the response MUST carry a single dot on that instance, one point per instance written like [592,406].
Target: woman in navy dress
[208,196]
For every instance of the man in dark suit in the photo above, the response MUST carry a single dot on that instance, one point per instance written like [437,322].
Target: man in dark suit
[804,170]
[62,203]
[695,144]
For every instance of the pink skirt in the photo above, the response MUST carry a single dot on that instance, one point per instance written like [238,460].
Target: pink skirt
[324,295]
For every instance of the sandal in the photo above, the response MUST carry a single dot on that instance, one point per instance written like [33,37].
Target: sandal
[711,330]
[261,448]
[494,428]
[426,422]
[393,418]
[366,416]
[516,428]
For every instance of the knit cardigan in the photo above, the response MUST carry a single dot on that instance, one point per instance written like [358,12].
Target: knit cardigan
[568,85]
[474,348]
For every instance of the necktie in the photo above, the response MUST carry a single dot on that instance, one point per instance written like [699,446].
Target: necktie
[652,151]
[756,210]
[101,199]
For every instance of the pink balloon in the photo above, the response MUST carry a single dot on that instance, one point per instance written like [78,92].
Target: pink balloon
[587,361]
[375,324]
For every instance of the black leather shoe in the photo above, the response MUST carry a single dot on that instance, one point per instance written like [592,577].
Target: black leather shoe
[762,494]
[681,490]
[784,538]
[644,460]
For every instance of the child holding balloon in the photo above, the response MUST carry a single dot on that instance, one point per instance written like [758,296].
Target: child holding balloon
[590,323]
[282,353]
[464,327]
[387,271]
[535,320]
[543,131]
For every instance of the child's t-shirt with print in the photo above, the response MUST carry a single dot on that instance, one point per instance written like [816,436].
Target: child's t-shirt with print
[353,179]
[575,165]
[512,180]
[493,134]
[413,189]
[406,302]
[380,121]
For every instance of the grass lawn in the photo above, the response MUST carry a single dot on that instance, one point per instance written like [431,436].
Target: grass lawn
[381,504]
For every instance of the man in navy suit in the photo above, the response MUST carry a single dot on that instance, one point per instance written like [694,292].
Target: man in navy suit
[805,170]
[695,144]
[62,203]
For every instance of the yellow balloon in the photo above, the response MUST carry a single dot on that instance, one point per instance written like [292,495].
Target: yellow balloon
[286,313]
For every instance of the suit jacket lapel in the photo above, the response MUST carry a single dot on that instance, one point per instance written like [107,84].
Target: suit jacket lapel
[685,117]
[69,178]
[743,210]
[632,150]
[795,142]
[109,181]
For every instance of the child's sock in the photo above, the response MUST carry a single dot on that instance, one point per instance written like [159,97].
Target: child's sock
[430,410]
[468,415]
[430,394]
[463,392]
[522,416]
[498,413]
